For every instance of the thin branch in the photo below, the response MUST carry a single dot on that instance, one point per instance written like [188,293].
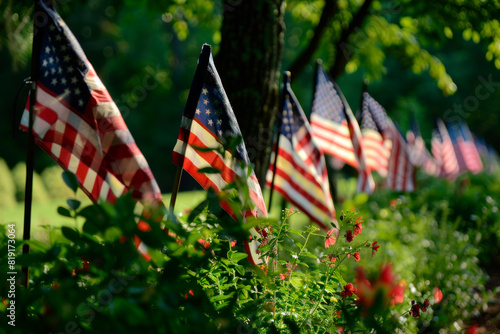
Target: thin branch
[304,58]
[342,54]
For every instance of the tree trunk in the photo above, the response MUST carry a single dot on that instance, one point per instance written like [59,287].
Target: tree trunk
[249,63]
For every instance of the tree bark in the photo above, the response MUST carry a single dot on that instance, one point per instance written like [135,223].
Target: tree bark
[249,64]
[343,51]
[304,58]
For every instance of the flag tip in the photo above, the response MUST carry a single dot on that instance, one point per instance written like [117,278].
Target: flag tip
[287,77]
[206,48]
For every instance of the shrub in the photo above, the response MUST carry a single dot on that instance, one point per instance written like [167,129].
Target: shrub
[40,194]
[51,177]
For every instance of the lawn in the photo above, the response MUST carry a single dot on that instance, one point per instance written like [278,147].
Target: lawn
[45,219]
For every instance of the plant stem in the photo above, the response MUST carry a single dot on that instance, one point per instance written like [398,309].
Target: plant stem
[316,305]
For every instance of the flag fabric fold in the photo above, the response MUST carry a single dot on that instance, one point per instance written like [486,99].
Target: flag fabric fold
[335,129]
[419,155]
[374,126]
[329,125]
[401,174]
[208,120]
[387,149]
[299,169]
[443,151]
[469,149]
[77,123]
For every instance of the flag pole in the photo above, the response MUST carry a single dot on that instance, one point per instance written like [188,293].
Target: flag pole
[175,189]
[286,81]
[28,190]
[190,109]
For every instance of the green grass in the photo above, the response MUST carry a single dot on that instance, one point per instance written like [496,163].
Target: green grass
[45,220]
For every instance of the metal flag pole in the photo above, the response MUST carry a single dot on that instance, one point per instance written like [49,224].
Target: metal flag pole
[28,192]
[190,109]
[284,91]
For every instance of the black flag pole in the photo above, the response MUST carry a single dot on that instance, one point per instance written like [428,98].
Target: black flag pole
[30,159]
[190,109]
[286,82]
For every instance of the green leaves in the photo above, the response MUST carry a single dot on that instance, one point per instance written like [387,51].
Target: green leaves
[70,180]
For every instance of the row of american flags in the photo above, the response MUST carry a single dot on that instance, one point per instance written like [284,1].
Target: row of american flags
[77,123]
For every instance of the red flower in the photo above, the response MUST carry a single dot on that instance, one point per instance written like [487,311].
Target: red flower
[86,264]
[349,289]
[349,236]
[426,305]
[358,228]
[233,243]
[4,301]
[205,244]
[338,313]
[375,247]
[438,295]
[190,292]
[472,329]
[415,309]
[384,289]
[282,277]
[398,293]
[357,257]
[330,240]
[143,226]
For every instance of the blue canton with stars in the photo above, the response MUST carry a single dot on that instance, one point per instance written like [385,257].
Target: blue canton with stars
[415,128]
[62,66]
[436,134]
[373,116]
[327,102]
[215,113]
[293,117]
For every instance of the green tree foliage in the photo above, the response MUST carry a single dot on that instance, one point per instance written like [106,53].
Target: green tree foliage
[423,57]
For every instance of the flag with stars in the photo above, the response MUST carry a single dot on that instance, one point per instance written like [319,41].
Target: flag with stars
[401,174]
[78,124]
[443,151]
[208,120]
[300,171]
[455,136]
[387,149]
[419,155]
[469,149]
[335,129]
[329,125]
[374,125]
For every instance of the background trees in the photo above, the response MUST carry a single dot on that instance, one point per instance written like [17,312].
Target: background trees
[431,58]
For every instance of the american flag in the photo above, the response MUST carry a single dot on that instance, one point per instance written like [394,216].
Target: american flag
[454,133]
[300,171]
[401,174]
[77,123]
[329,126]
[468,148]
[484,153]
[443,152]
[205,125]
[419,155]
[335,129]
[374,126]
